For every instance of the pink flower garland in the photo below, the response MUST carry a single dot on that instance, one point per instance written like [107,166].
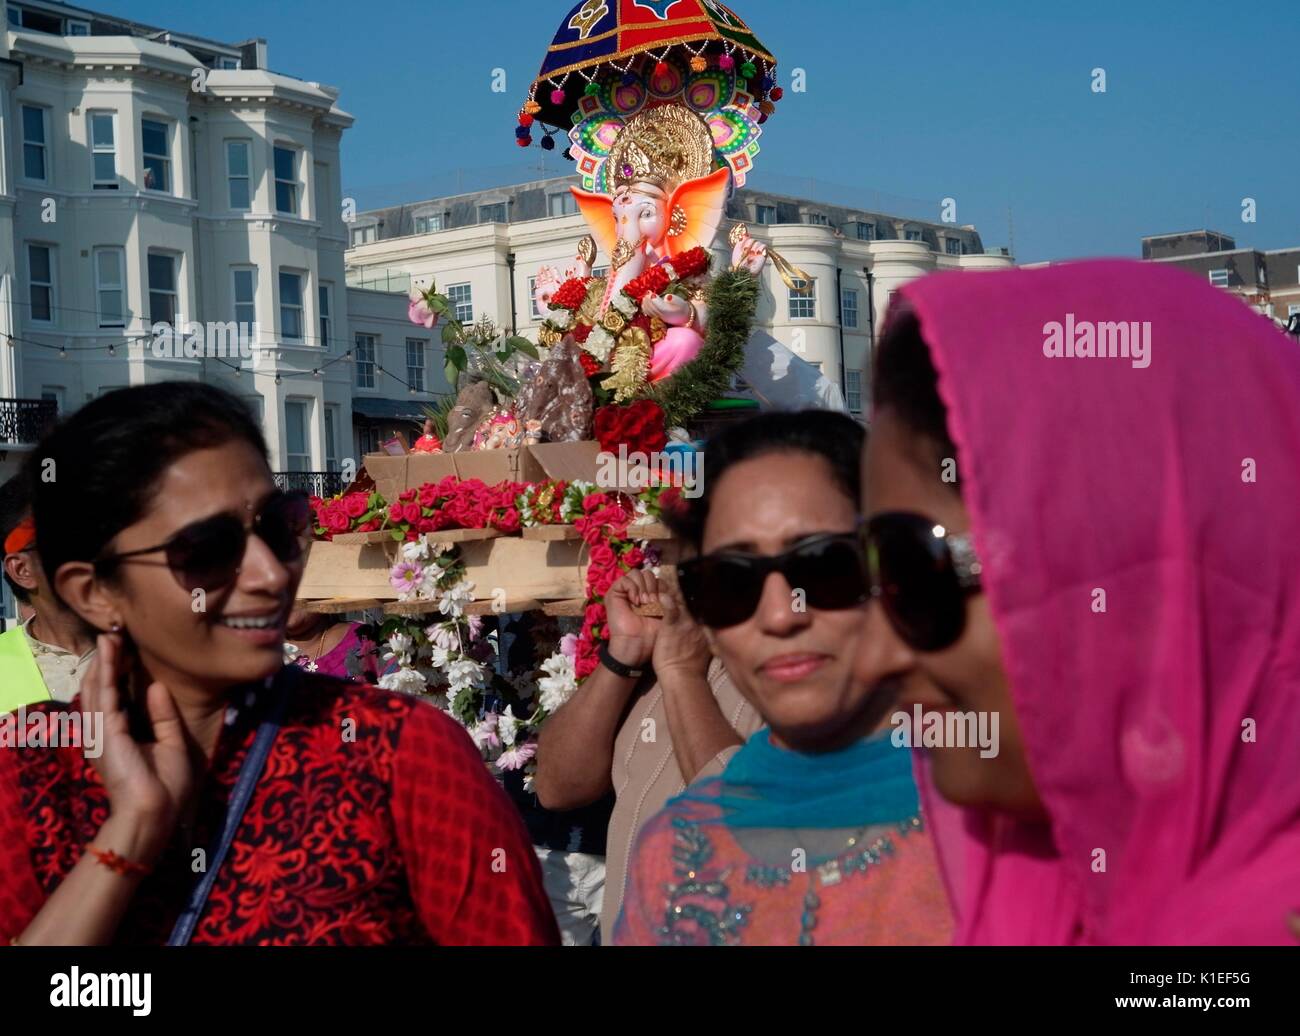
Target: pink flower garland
[603,528]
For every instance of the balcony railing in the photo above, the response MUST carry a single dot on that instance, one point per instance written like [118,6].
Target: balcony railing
[397,281]
[26,420]
[317,483]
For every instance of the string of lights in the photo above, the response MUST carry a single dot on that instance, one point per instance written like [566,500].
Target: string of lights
[306,339]
[238,370]
[315,373]
[313,341]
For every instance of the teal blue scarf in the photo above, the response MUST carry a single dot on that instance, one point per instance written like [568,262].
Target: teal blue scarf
[868,783]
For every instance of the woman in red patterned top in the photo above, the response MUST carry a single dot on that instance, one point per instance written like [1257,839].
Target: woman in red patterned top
[372,818]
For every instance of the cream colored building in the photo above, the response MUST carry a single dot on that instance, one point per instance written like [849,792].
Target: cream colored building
[483,249]
[149,177]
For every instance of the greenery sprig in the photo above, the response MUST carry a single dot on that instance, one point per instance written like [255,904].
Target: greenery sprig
[733,301]
[480,347]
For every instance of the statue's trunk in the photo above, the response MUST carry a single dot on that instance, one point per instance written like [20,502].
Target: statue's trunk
[623,276]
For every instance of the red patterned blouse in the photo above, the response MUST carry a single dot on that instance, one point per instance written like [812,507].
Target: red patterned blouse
[375,821]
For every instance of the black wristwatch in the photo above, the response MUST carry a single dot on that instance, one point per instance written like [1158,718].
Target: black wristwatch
[616,667]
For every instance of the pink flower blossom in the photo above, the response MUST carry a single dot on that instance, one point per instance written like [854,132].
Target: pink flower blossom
[406,577]
[418,312]
[484,733]
[569,645]
[514,758]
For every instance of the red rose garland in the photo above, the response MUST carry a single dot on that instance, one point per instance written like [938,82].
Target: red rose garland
[449,504]
[456,504]
[603,527]
[353,512]
[690,264]
[471,504]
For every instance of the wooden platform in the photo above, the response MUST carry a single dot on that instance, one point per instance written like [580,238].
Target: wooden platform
[339,605]
[551,533]
[543,569]
[644,531]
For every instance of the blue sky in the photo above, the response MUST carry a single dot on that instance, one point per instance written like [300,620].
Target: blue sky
[907,102]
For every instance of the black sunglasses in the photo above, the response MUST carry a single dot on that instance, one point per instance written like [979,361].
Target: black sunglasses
[922,576]
[207,554]
[723,589]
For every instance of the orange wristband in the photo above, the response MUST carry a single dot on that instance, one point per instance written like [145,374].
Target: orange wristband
[119,864]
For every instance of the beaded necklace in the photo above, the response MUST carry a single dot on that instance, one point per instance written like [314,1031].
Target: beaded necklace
[853,860]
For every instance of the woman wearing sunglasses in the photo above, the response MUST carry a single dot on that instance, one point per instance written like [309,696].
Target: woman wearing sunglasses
[1113,573]
[231,799]
[812,834]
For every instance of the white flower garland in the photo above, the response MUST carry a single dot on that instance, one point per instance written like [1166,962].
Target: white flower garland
[559,683]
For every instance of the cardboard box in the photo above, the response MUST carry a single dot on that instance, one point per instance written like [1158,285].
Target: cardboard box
[567,460]
[493,466]
[554,460]
[393,475]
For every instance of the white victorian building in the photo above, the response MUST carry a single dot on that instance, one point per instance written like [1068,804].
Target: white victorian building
[148,177]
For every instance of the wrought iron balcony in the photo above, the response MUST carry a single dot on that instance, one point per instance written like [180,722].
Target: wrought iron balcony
[26,421]
[317,483]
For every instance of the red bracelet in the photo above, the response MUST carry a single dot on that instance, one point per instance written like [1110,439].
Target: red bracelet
[119,864]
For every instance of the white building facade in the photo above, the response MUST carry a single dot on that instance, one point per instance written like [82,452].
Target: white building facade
[149,178]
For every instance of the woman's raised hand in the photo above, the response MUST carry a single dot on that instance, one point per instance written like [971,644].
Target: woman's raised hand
[147,784]
[680,645]
[632,636]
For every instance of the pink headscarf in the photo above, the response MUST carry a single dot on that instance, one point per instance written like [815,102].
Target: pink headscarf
[1173,489]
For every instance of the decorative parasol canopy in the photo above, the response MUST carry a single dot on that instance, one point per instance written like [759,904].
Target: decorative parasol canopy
[604,41]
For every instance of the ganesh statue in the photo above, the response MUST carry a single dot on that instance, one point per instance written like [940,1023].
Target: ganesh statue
[656,222]
[667,200]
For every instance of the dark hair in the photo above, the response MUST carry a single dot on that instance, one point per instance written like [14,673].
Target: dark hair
[15,505]
[835,437]
[907,384]
[107,458]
